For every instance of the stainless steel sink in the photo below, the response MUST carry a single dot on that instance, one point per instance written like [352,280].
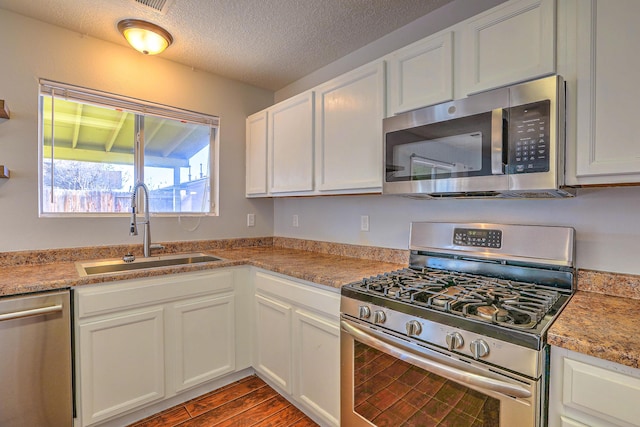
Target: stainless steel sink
[90,268]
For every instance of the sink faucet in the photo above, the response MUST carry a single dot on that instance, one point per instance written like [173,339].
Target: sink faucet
[133,230]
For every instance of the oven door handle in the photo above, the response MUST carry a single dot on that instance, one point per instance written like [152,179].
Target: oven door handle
[376,341]
[497,142]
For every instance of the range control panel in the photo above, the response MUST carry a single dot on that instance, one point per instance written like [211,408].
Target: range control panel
[529,137]
[477,237]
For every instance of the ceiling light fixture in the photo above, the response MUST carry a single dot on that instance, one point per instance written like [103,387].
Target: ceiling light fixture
[144,36]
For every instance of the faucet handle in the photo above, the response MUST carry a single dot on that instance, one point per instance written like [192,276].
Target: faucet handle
[157,246]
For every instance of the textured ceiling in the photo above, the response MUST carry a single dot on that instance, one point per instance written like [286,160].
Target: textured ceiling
[266,43]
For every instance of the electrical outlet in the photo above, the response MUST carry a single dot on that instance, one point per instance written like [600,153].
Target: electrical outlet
[295,222]
[251,220]
[364,223]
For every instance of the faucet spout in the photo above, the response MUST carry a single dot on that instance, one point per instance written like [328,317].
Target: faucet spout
[133,229]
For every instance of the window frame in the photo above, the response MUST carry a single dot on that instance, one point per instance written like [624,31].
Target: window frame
[140,109]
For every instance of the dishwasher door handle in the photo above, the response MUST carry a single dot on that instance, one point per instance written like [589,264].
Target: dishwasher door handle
[32,312]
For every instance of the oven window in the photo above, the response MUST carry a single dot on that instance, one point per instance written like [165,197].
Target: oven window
[451,149]
[391,392]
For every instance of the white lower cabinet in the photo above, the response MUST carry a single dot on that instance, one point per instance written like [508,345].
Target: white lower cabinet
[146,340]
[586,391]
[121,363]
[273,340]
[316,363]
[144,343]
[204,338]
[297,343]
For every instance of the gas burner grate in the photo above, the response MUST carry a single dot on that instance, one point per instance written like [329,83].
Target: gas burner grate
[509,303]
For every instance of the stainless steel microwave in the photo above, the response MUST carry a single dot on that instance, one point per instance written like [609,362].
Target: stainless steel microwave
[507,142]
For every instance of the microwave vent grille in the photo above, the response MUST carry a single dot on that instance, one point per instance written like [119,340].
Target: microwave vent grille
[549,194]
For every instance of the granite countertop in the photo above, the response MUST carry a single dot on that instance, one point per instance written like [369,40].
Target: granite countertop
[325,269]
[600,319]
[602,326]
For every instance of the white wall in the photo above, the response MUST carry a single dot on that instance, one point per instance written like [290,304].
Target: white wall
[607,235]
[30,50]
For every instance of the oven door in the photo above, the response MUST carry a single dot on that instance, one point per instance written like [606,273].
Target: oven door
[388,380]
[463,153]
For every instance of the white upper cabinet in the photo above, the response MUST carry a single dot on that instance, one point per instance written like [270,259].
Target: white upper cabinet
[290,145]
[510,43]
[420,74]
[256,154]
[603,142]
[349,113]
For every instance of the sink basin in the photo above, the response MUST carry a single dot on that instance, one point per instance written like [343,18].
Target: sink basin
[90,268]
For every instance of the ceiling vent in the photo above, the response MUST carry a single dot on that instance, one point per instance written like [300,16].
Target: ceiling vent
[159,6]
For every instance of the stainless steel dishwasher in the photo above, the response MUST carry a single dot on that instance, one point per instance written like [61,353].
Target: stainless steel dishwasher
[35,360]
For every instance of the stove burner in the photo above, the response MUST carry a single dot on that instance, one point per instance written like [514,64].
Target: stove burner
[491,312]
[504,302]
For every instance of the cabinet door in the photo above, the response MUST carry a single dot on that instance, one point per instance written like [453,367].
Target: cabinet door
[606,146]
[272,352]
[317,364]
[510,43]
[203,340]
[290,145]
[421,74]
[606,394]
[349,113]
[256,154]
[121,363]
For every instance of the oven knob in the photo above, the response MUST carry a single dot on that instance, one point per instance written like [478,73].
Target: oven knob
[479,348]
[379,317]
[364,312]
[414,328]
[454,340]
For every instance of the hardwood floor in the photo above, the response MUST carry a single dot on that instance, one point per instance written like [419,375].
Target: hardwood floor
[247,402]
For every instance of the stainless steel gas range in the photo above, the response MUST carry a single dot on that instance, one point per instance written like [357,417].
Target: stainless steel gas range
[459,337]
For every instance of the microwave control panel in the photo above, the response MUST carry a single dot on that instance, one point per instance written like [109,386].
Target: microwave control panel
[486,238]
[529,137]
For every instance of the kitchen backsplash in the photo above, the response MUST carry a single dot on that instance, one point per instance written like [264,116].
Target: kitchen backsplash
[619,285]
[398,256]
[47,256]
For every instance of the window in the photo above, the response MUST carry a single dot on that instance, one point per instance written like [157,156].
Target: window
[95,146]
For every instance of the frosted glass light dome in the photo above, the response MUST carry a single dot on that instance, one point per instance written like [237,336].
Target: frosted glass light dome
[144,36]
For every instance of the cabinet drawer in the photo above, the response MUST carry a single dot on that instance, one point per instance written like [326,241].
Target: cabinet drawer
[600,392]
[326,302]
[118,296]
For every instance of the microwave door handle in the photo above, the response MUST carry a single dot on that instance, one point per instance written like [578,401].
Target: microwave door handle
[376,341]
[497,138]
